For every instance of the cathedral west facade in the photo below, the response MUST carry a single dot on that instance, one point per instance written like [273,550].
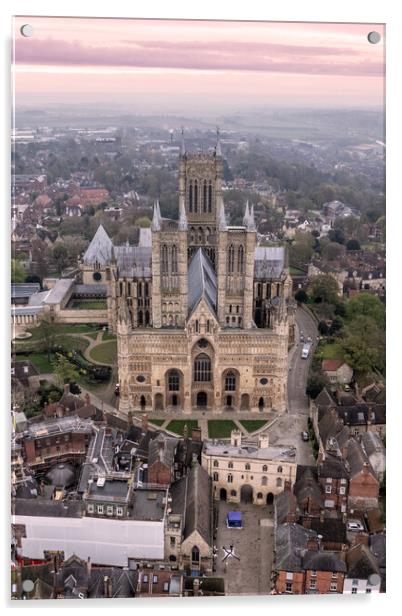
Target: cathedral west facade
[202,313]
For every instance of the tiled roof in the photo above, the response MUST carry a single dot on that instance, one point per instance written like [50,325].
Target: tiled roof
[332,365]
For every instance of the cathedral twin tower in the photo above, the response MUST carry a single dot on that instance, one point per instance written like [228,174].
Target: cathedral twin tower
[202,313]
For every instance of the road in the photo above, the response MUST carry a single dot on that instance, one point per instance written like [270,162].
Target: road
[298,367]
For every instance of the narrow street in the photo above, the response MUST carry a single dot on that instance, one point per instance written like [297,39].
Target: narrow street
[298,367]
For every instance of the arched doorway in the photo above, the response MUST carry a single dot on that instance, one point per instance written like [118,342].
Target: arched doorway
[143,403]
[229,401]
[175,400]
[158,402]
[270,498]
[246,494]
[261,404]
[202,399]
[223,494]
[245,402]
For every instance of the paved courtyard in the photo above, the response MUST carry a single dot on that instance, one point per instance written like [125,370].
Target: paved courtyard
[253,544]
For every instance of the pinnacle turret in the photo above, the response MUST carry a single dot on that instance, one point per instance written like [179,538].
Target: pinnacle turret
[218,149]
[222,217]
[156,219]
[183,145]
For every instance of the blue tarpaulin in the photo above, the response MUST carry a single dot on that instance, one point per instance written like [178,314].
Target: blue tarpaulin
[234,519]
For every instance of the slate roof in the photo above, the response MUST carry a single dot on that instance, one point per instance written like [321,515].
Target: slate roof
[285,504]
[124,582]
[192,497]
[361,563]
[48,508]
[378,546]
[162,448]
[357,458]
[324,400]
[290,545]
[201,281]
[360,414]
[333,466]
[323,561]
[269,262]
[308,487]
[372,443]
[331,427]
[100,248]
[331,529]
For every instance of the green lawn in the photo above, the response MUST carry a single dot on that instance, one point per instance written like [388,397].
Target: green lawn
[252,425]
[177,425]
[220,428]
[157,422]
[105,353]
[88,304]
[40,361]
[331,350]
[108,336]
[295,271]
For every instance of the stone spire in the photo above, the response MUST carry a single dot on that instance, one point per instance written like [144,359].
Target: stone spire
[156,219]
[218,150]
[246,217]
[222,218]
[183,145]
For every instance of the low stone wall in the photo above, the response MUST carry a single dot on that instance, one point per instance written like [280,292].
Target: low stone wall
[82,316]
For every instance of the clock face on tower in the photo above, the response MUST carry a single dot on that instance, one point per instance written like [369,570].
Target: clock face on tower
[97,276]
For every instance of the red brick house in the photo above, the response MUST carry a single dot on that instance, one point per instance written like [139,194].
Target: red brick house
[161,455]
[363,483]
[333,479]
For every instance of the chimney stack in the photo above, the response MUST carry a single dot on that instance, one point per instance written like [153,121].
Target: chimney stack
[196,434]
[87,399]
[144,422]
[263,441]
[235,438]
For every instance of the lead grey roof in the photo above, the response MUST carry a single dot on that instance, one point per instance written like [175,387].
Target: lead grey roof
[100,248]
[198,503]
[20,290]
[201,281]
[59,291]
[48,508]
[269,261]
[134,261]
[357,458]
[324,561]
[93,289]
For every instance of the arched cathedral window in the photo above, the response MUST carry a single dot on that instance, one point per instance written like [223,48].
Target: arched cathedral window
[204,196]
[164,259]
[210,197]
[190,197]
[174,259]
[230,381]
[202,368]
[240,261]
[231,259]
[195,196]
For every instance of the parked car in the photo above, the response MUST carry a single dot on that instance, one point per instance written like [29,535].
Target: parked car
[354,525]
[305,436]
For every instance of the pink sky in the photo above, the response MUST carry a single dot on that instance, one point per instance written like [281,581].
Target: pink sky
[157,64]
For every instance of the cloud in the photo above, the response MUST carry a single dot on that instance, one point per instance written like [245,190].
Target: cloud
[197,55]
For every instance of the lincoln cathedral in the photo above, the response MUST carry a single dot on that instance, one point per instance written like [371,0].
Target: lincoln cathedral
[203,314]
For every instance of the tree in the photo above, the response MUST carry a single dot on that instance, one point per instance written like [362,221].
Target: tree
[143,222]
[61,257]
[363,344]
[323,328]
[301,250]
[337,235]
[301,296]
[17,271]
[353,244]
[315,384]
[368,305]
[336,325]
[323,289]
[332,251]
[49,333]
[64,370]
